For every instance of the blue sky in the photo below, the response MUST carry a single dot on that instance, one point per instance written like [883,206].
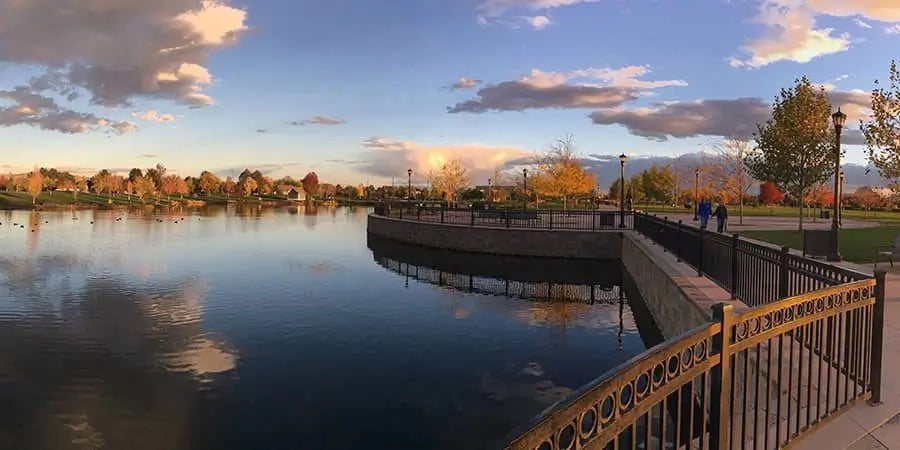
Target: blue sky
[368,85]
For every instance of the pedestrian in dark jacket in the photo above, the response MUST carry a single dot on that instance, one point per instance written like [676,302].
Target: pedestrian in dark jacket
[721,217]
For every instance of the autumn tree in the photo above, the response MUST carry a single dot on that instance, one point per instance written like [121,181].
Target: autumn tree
[560,175]
[310,184]
[144,188]
[866,197]
[209,182]
[182,187]
[882,133]
[129,188]
[729,172]
[80,186]
[795,149]
[247,186]
[451,178]
[769,194]
[35,184]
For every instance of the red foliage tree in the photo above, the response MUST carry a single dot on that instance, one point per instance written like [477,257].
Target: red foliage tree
[310,183]
[769,194]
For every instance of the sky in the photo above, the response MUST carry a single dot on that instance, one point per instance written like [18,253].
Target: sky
[360,91]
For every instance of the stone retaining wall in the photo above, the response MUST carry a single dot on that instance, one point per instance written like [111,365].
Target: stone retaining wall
[500,241]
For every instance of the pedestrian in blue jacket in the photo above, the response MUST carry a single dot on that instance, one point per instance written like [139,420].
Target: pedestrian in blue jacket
[704,210]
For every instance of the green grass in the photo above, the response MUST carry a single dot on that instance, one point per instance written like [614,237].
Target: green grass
[856,244]
[22,200]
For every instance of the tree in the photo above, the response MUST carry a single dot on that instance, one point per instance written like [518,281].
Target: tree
[729,171]
[129,189]
[35,184]
[209,182]
[658,184]
[795,148]
[182,187]
[450,179]
[866,197]
[559,173]
[820,194]
[134,174]
[228,186]
[169,185]
[310,184]
[769,194]
[80,186]
[882,133]
[247,186]
[144,187]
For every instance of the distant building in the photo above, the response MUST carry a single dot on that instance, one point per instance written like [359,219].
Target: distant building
[296,195]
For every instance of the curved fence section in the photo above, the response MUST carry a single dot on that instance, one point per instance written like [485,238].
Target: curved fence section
[547,219]
[759,379]
[755,274]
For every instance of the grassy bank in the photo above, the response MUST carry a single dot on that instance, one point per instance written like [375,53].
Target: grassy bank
[856,244]
[64,200]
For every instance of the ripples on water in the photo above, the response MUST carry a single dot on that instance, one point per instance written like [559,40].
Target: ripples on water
[255,328]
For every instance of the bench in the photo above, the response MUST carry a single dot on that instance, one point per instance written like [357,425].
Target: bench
[888,251]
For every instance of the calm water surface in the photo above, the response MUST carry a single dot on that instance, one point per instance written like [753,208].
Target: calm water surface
[280,329]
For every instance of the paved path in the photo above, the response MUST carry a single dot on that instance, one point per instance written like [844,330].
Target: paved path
[865,426]
[769,222]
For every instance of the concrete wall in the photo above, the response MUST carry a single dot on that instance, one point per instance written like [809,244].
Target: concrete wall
[677,299]
[501,241]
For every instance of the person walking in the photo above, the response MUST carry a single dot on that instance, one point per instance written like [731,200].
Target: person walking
[704,210]
[721,214]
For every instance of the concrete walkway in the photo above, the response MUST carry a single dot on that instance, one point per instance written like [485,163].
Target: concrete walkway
[760,223]
[865,426]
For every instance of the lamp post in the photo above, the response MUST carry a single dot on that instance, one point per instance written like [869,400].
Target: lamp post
[696,193]
[490,193]
[839,119]
[408,184]
[525,188]
[840,208]
[622,159]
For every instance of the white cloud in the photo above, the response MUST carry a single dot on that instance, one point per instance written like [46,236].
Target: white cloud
[494,10]
[24,107]
[791,36]
[389,157]
[893,29]
[882,10]
[153,116]
[600,88]
[118,51]
[319,120]
[464,83]
[842,77]
[861,23]
[539,22]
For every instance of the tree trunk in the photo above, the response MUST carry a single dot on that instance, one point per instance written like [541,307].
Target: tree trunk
[33,199]
[741,211]
[802,191]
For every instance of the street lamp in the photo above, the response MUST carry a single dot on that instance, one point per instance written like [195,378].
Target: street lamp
[841,202]
[490,193]
[408,184]
[622,159]
[697,193]
[839,119]
[525,188]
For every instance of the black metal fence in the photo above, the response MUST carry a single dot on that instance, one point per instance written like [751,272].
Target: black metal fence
[754,273]
[549,219]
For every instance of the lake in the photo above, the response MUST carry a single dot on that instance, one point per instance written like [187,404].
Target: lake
[281,328]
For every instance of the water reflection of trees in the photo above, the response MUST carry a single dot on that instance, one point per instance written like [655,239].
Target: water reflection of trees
[114,365]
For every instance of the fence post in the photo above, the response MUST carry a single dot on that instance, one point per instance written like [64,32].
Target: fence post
[401,212]
[783,273]
[419,213]
[550,213]
[678,242]
[720,395]
[700,255]
[442,213]
[877,337]
[473,216]
[734,265]
[506,213]
[594,220]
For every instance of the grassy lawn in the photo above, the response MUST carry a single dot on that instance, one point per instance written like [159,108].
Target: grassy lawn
[857,245]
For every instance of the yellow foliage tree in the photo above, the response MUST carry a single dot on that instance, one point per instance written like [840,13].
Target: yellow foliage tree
[35,184]
[560,175]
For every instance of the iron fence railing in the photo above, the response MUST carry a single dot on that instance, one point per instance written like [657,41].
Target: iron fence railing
[550,219]
[759,379]
[754,273]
